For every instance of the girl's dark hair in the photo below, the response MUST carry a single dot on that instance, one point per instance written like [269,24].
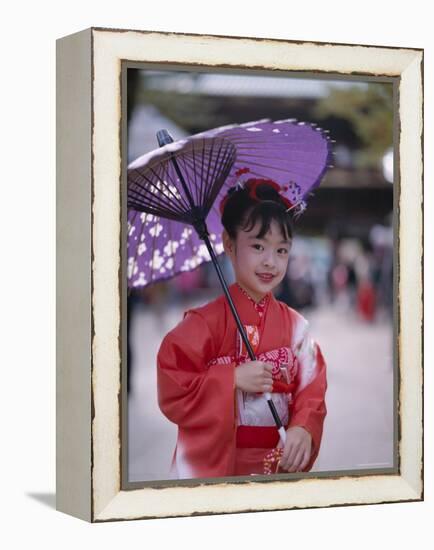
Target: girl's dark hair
[243,211]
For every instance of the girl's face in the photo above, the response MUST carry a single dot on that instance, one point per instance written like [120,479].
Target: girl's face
[259,264]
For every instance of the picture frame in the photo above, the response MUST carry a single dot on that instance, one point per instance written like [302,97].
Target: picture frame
[91,330]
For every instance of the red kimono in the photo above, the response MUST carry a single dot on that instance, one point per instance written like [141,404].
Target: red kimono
[223,431]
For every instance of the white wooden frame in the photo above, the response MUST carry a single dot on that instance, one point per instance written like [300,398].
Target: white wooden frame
[89,270]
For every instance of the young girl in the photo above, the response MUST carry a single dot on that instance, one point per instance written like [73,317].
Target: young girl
[207,384]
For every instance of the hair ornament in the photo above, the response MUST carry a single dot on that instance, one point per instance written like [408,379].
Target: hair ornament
[253,184]
[242,171]
[249,184]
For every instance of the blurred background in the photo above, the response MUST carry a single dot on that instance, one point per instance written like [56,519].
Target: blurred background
[340,275]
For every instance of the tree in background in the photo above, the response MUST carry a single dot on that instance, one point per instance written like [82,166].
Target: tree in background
[370,112]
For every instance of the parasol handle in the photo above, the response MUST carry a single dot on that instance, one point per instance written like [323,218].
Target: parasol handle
[165,138]
[204,236]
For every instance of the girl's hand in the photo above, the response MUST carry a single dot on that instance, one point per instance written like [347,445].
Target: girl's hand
[297,451]
[254,376]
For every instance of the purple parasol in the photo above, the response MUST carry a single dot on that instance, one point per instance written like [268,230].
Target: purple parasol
[293,154]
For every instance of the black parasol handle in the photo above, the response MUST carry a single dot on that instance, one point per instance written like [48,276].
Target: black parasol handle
[228,296]
[199,224]
[204,236]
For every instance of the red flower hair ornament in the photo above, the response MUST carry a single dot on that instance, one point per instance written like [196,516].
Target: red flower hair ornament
[251,186]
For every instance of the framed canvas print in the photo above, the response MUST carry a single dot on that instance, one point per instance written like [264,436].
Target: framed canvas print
[239,274]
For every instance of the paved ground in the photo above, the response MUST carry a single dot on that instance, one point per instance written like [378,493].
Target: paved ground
[358,431]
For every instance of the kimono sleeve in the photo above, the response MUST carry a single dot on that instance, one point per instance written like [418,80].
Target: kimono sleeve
[309,408]
[191,394]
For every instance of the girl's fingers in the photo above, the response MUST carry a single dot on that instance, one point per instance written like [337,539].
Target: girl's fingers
[283,463]
[267,383]
[295,466]
[289,456]
[292,455]
[305,461]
